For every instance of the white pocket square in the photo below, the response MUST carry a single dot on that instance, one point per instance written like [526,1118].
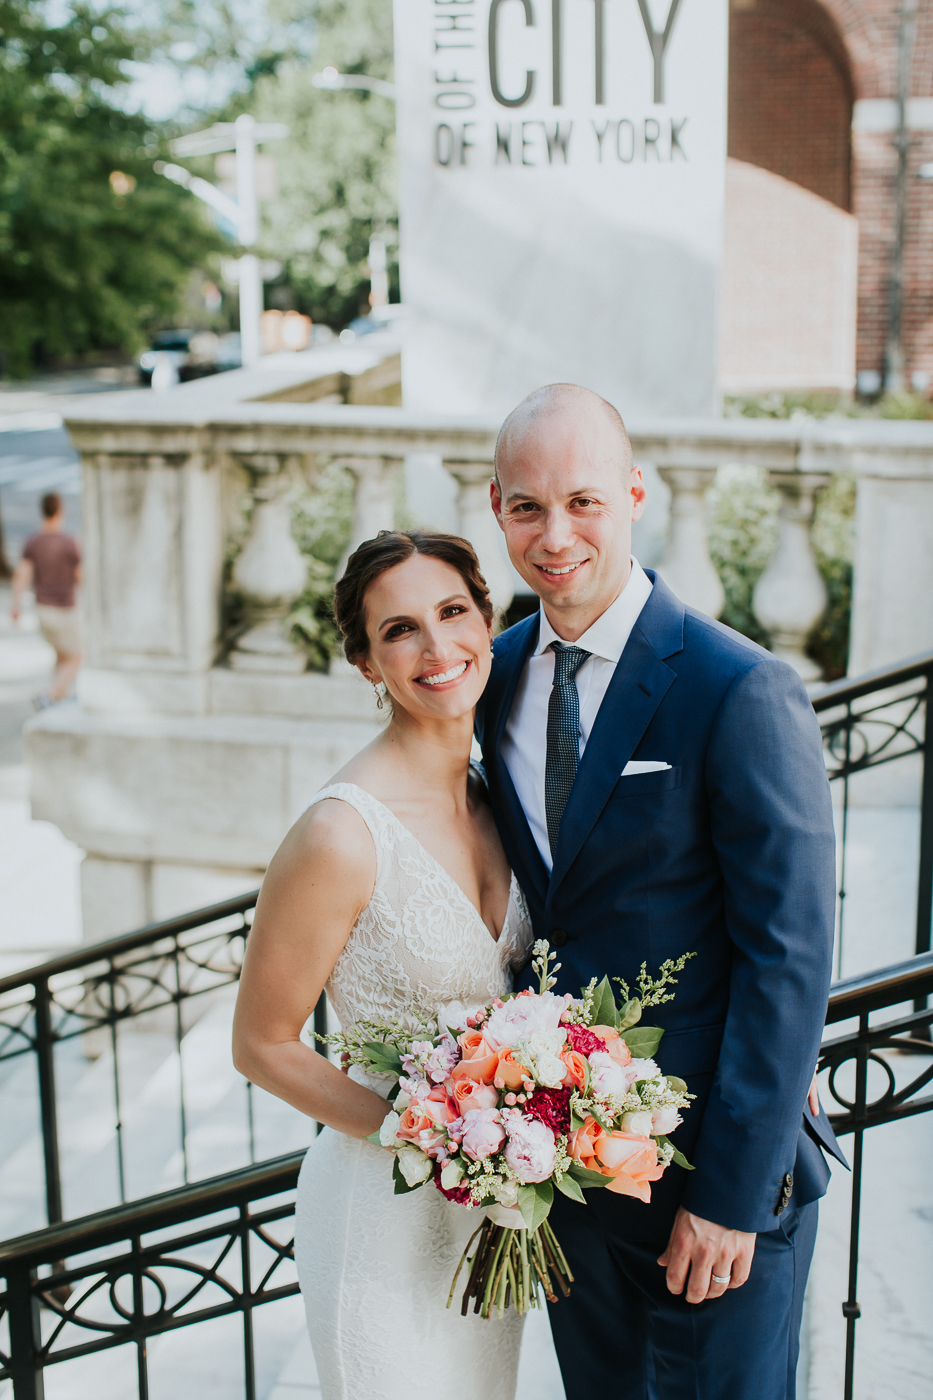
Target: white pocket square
[638,765]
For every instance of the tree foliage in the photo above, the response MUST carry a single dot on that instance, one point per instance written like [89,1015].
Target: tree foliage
[94,245]
[337,170]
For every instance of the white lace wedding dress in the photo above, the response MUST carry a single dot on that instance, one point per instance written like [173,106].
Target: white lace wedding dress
[375,1268]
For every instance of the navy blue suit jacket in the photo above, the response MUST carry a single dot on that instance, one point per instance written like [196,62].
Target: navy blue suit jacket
[729,854]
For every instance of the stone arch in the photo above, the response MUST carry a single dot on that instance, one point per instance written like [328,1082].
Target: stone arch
[791,93]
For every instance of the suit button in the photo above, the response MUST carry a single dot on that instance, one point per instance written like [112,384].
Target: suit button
[789,1181]
[779,1210]
[558,937]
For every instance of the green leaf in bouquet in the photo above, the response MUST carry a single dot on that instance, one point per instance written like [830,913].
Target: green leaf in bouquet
[401,1185]
[535,1202]
[604,1006]
[587,1178]
[575,1120]
[571,1188]
[677,1086]
[629,1015]
[643,1041]
[374,1137]
[385,1059]
[681,1160]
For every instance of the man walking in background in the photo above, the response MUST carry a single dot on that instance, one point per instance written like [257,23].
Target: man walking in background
[51,566]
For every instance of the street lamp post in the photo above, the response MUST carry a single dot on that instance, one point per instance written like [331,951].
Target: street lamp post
[241,136]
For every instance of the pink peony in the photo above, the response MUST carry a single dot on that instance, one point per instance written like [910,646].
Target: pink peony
[664,1121]
[483,1133]
[523,1016]
[531,1150]
[607,1076]
[581,1038]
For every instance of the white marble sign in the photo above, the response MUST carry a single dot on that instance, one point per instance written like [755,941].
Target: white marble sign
[562,177]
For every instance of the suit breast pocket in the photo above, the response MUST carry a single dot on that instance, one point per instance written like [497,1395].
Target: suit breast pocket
[639,784]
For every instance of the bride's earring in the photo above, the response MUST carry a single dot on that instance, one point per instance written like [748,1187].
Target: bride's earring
[379,701]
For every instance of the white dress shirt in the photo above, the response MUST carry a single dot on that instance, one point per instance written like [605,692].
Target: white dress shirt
[524,744]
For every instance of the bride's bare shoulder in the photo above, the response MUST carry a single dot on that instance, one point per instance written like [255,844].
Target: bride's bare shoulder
[329,843]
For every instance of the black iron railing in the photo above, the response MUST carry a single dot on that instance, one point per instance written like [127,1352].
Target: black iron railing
[869,722]
[892,1048]
[130,1275]
[55,1016]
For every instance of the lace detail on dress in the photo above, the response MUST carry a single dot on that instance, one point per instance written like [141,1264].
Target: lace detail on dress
[375,1268]
[419,942]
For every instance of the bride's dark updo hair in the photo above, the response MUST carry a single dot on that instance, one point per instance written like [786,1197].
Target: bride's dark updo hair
[391,547]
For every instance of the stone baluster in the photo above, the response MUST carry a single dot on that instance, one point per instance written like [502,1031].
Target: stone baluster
[686,565]
[271,570]
[790,596]
[375,480]
[478,524]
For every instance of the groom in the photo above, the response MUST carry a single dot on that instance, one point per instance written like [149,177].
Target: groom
[659,787]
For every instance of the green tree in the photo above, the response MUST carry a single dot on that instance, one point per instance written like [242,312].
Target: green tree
[94,246]
[337,170]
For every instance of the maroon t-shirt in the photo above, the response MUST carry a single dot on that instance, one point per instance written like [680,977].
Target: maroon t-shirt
[55,559]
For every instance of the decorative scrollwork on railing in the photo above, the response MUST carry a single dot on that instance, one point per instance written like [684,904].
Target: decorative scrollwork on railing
[867,1107]
[111,1294]
[866,738]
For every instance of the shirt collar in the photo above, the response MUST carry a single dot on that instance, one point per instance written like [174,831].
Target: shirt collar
[610,632]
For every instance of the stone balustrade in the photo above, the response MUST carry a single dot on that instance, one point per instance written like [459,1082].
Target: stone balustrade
[191,751]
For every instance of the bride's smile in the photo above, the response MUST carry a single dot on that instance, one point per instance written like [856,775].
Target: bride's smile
[429,642]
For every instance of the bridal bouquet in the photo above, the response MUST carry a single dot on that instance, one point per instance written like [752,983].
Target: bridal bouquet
[499,1106]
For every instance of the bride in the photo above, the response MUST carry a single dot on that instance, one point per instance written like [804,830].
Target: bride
[392,892]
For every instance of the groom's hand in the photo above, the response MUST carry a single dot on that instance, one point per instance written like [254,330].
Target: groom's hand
[700,1249]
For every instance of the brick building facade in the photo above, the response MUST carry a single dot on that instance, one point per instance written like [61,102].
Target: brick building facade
[812,97]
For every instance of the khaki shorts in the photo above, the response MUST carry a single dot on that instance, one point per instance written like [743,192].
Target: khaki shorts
[61,628]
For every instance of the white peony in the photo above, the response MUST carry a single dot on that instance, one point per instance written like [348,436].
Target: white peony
[637,1122]
[523,1017]
[414,1165]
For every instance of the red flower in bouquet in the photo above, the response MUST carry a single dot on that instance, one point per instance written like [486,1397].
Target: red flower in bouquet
[551,1107]
[582,1039]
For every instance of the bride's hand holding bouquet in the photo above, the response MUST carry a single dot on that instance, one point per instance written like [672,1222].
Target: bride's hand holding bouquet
[499,1106]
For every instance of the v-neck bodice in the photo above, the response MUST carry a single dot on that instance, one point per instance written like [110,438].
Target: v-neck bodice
[420,942]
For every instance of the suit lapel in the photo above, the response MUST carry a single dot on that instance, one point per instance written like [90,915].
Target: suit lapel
[508,666]
[639,684]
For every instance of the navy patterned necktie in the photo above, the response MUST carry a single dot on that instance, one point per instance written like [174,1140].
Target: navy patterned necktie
[563,735]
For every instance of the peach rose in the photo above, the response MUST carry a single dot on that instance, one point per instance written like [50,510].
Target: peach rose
[417,1126]
[615,1045]
[440,1105]
[631,1160]
[469,1093]
[479,1061]
[510,1070]
[575,1078]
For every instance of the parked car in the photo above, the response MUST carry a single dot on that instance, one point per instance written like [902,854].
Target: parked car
[176,356]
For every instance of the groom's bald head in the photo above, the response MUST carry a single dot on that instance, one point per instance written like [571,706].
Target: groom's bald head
[559,408]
